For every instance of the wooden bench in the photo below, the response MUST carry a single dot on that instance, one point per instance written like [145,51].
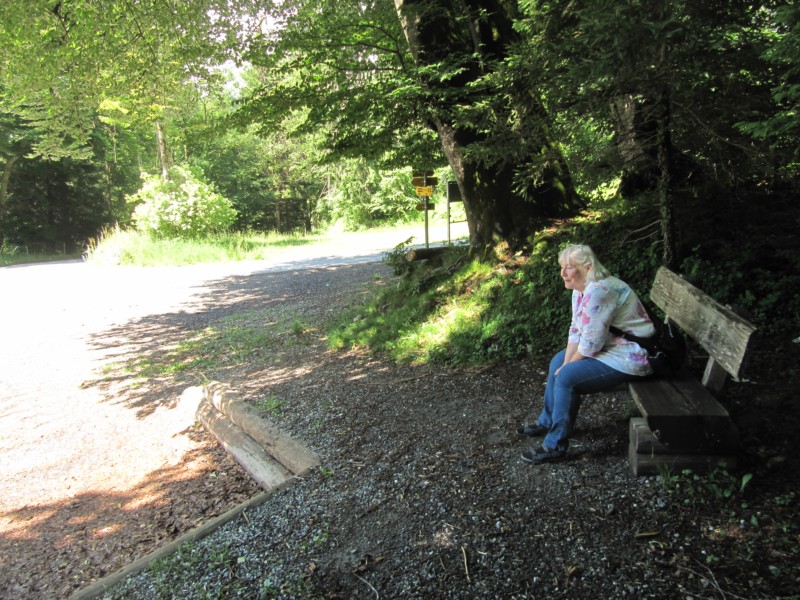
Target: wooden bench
[683,425]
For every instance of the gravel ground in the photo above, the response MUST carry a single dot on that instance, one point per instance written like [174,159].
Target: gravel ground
[422,492]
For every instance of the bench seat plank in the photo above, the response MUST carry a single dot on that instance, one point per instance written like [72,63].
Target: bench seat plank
[682,414]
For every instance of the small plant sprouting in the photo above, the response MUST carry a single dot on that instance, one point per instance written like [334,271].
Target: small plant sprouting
[299,328]
[695,489]
[270,405]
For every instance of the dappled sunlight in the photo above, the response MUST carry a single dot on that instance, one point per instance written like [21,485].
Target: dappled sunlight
[247,320]
[107,529]
[149,472]
[18,525]
[284,374]
[437,329]
[443,538]
[357,376]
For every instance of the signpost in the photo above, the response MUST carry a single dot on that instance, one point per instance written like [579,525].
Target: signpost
[424,181]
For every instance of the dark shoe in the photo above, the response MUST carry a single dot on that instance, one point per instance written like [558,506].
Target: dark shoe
[532,430]
[540,455]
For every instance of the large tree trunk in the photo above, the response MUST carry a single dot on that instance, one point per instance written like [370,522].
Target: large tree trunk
[496,211]
[499,206]
[636,135]
[645,146]
[666,202]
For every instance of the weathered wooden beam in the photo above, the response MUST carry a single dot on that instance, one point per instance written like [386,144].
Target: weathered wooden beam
[285,449]
[714,377]
[721,332]
[424,253]
[644,442]
[267,472]
[658,464]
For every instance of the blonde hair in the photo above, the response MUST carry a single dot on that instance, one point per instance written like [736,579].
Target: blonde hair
[583,256]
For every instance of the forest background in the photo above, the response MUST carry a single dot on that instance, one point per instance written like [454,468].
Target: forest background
[665,131]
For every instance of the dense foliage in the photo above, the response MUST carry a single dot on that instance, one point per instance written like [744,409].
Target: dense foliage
[181,206]
[675,119]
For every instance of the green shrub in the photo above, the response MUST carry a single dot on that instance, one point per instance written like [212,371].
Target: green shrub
[183,206]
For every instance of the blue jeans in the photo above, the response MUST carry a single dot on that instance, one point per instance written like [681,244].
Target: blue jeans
[562,395]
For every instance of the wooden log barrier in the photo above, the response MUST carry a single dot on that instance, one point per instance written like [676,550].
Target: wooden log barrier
[283,448]
[424,253]
[268,473]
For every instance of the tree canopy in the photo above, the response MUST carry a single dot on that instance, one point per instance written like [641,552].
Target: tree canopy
[539,108]
[62,62]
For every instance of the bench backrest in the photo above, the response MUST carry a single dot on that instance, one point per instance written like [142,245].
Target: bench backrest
[721,332]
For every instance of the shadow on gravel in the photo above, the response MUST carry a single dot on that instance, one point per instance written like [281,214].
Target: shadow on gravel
[149,361]
[52,550]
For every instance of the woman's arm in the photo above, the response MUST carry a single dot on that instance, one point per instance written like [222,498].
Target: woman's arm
[597,311]
[572,349]
[571,355]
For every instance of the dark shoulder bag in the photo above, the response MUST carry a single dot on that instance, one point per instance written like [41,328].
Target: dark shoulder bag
[666,350]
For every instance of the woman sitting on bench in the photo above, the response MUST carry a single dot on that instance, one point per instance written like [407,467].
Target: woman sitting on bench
[594,359]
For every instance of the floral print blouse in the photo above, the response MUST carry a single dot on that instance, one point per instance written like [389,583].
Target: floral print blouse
[602,304]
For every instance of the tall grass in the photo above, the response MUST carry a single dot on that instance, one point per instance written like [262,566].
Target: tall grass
[120,247]
[115,246]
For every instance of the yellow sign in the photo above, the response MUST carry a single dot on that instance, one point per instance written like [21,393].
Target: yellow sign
[425,190]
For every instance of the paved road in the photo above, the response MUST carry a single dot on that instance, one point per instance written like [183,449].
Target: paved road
[54,440]
[49,313]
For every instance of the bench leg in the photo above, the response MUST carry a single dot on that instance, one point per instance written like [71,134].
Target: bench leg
[648,456]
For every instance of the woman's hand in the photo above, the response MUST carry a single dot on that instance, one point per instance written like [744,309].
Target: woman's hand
[571,355]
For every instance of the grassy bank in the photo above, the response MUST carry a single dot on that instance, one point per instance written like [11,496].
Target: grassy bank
[119,247]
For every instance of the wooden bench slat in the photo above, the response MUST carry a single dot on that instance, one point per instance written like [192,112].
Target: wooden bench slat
[682,414]
[721,332]
[681,396]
